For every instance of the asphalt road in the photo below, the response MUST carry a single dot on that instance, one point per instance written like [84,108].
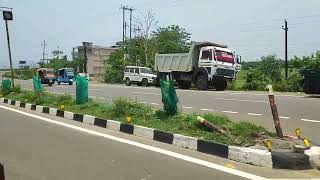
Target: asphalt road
[34,148]
[296,110]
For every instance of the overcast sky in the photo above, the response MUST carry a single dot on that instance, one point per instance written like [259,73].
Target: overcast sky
[252,28]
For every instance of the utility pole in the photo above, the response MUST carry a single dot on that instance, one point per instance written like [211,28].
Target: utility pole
[44,45]
[130,22]
[85,57]
[285,28]
[124,25]
[7,16]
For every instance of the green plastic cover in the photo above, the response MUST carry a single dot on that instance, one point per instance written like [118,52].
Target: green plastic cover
[169,97]
[6,86]
[37,86]
[81,90]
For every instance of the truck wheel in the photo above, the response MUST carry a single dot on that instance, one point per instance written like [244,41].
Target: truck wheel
[128,82]
[221,85]
[202,82]
[184,84]
[59,82]
[50,84]
[70,83]
[145,82]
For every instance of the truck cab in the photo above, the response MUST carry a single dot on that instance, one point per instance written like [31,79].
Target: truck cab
[207,65]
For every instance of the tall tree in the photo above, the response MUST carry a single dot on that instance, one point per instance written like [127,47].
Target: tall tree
[172,39]
[146,22]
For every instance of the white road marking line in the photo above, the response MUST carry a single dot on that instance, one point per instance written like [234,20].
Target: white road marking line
[254,114]
[310,120]
[144,102]
[95,89]
[103,98]
[241,100]
[186,107]
[284,117]
[155,94]
[147,147]
[206,109]
[231,112]
[154,104]
[93,97]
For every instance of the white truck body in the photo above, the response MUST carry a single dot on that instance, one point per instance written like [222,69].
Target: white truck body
[215,62]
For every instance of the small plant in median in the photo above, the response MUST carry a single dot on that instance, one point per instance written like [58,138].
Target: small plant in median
[119,109]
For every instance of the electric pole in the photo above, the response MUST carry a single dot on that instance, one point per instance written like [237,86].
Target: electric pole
[285,28]
[124,25]
[130,22]
[44,45]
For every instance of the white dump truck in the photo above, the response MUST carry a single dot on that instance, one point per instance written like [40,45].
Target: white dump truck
[207,65]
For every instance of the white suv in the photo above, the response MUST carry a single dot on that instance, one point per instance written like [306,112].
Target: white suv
[142,76]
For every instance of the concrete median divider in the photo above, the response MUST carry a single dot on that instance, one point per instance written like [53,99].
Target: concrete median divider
[113,125]
[87,119]
[143,132]
[308,159]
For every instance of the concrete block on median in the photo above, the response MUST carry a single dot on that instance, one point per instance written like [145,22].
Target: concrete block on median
[143,132]
[1,100]
[256,157]
[185,141]
[28,106]
[113,125]
[68,115]
[88,119]
[9,101]
[314,156]
[17,103]
[39,108]
[53,111]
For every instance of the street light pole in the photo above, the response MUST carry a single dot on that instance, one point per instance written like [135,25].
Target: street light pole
[7,16]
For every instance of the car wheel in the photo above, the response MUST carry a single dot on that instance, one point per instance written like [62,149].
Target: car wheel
[128,82]
[145,82]
[202,82]
[59,82]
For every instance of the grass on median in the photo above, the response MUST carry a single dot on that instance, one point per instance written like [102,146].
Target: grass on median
[242,133]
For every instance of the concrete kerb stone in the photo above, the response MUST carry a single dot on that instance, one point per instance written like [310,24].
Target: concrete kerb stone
[314,156]
[9,101]
[28,106]
[53,111]
[88,119]
[39,108]
[113,125]
[143,132]
[2,100]
[252,156]
[185,141]
[17,104]
[68,115]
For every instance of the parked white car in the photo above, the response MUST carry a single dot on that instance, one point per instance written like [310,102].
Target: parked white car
[142,76]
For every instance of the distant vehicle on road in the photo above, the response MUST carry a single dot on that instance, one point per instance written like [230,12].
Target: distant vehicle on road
[65,75]
[46,76]
[206,65]
[311,81]
[142,76]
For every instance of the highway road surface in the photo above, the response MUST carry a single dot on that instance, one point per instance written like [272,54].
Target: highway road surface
[296,110]
[36,146]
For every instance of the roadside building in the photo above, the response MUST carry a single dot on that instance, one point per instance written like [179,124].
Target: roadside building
[96,55]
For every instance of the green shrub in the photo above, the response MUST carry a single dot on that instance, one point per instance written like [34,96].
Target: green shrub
[123,107]
[255,80]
